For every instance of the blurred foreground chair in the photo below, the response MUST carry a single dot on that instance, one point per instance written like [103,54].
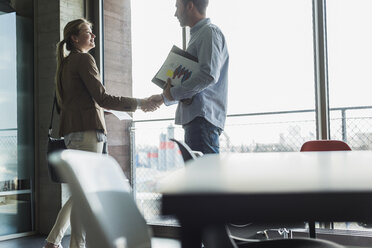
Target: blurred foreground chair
[103,200]
[322,146]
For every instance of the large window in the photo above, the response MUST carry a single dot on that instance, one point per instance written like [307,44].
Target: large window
[271,70]
[272,80]
[271,67]
[16,123]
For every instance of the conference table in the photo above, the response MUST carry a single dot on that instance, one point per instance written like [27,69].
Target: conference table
[268,187]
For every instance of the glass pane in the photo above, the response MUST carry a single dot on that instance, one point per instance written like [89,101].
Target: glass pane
[8,71]
[271,53]
[155,157]
[16,123]
[276,132]
[15,213]
[271,71]
[349,65]
[154,31]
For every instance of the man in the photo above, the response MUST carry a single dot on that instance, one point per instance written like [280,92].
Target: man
[203,98]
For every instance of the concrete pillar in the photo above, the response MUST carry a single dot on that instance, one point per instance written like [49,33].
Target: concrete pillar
[118,74]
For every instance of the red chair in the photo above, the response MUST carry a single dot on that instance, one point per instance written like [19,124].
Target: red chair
[325,145]
[319,146]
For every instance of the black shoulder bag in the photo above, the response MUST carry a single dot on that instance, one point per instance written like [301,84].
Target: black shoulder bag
[54,145]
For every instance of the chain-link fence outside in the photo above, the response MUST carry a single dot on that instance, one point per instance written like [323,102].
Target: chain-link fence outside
[155,156]
[8,157]
[8,147]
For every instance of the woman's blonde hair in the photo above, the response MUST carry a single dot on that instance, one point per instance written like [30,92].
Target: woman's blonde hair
[71,28]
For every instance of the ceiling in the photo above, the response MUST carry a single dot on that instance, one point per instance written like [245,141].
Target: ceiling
[21,7]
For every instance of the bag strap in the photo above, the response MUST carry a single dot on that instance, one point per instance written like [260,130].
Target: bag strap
[51,118]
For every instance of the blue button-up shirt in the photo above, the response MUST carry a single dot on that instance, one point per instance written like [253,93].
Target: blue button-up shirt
[208,87]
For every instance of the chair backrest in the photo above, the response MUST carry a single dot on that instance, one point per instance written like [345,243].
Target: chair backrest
[102,198]
[325,145]
[187,153]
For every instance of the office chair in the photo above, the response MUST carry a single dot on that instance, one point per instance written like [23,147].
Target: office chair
[187,153]
[103,199]
[319,146]
[292,243]
[324,145]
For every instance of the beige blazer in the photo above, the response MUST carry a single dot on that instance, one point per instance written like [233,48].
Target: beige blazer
[83,96]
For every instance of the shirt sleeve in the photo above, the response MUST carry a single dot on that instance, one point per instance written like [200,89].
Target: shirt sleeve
[168,102]
[89,74]
[210,61]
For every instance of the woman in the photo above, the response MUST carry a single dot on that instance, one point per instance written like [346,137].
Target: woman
[81,98]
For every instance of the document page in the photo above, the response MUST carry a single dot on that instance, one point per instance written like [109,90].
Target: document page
[119,114]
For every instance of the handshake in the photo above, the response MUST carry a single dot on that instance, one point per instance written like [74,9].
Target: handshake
[151,103]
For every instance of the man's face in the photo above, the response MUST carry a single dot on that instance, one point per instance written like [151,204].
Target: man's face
[181,13]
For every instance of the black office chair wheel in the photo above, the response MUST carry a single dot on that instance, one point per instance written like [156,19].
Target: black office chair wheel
[292,243]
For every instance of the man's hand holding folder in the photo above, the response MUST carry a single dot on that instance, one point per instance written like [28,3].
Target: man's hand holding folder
[167,94]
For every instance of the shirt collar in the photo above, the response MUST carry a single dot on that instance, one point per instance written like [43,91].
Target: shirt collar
[199,25]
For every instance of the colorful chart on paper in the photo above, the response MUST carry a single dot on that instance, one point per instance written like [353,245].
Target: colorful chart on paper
[178,68]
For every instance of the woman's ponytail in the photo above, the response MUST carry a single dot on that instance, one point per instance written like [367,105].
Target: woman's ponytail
[60,57]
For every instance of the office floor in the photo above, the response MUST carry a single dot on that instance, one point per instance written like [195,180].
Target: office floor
[37,241]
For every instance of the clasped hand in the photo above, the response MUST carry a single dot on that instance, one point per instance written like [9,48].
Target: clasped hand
[151,103]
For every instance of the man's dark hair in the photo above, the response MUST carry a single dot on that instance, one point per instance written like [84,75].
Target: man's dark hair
[201,5]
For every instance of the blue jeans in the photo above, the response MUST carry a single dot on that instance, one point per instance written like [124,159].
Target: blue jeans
[201,135]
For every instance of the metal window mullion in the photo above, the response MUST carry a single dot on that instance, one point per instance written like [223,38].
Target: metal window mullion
[343,125]
[321,69]
[98,17]
[133,151]
[94,12]
[321,76]
[101,40]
